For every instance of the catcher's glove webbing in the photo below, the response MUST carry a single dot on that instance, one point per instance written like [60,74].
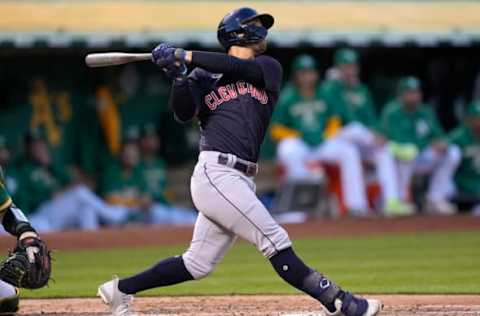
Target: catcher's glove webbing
[28,265]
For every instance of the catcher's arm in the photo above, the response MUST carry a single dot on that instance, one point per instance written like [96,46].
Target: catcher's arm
[29,264]
[16,223]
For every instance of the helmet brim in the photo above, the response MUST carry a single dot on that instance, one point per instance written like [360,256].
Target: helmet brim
[266,19]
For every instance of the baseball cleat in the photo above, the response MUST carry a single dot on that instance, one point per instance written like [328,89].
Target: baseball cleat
[118,302]
[373,309]
[9,304]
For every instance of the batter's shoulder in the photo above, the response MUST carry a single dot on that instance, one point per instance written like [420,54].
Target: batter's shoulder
[269,62]
[272,72]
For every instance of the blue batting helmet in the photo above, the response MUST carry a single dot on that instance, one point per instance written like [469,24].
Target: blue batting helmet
[235,30]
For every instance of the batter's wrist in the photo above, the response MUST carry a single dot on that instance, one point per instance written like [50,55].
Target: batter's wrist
[188,56]
[184,56]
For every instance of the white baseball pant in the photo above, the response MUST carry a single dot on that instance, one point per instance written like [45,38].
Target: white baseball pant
[228,207]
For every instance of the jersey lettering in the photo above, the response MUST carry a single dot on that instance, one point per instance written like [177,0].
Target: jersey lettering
[231,91]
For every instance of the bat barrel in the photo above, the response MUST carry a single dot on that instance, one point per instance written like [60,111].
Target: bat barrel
[114,58]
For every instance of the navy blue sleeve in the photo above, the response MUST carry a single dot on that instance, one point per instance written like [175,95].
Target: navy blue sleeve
[272,73]
[244,69]
[182,100]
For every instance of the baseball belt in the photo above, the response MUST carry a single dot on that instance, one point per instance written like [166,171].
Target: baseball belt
[250,169]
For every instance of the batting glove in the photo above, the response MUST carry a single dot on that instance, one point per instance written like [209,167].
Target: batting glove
[166,57]
[163,55]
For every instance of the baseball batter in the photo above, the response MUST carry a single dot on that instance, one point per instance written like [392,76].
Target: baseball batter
[233,96]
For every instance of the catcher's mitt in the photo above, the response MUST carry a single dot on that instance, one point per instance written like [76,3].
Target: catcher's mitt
[28,265]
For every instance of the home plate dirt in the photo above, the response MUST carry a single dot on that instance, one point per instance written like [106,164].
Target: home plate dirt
[293,305]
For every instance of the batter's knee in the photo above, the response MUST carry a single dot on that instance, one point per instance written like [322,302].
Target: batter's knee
[275,243]
[198,267]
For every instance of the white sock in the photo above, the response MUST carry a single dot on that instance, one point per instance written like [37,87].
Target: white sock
[6,289]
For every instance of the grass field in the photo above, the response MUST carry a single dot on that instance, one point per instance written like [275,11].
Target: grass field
[414,263]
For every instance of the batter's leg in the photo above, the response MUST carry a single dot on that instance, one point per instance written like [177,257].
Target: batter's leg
[208,246]
[227,197]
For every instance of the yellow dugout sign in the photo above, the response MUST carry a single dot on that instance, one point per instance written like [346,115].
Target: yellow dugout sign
[140,16]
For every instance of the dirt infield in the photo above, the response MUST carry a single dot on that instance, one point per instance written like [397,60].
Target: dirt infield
[395,305]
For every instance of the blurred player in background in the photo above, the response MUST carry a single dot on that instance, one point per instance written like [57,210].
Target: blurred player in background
[10,178]
[348,94]
[300,126]
[56,202]
[154,171]
[123,183]
[136,181]
[466,138]
[418,143]
[153,167]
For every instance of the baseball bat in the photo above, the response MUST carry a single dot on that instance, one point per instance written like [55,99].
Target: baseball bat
[114,58]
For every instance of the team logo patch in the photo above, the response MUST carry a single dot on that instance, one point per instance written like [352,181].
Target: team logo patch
[324,283]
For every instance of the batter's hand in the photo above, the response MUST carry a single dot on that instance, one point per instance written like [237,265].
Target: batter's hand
[164,56]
